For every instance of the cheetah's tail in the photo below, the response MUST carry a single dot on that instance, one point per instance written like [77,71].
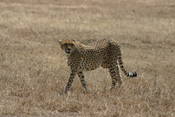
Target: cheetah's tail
[120,62]
[132,74]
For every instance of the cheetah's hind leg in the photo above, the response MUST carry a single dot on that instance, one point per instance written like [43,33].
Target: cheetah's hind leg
[115,76]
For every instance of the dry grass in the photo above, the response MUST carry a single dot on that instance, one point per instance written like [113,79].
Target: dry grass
[33,70]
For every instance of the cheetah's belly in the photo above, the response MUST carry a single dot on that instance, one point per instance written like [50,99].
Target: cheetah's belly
[90,64]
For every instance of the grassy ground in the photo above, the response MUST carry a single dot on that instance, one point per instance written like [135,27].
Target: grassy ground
[33,70]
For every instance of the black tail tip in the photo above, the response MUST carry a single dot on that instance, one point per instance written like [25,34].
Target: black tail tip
[132,74]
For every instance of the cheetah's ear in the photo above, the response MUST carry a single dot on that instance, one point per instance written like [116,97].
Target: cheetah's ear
[60,42]
[74,42]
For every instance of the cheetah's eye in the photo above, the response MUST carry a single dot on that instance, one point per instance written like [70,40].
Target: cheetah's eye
[71,45]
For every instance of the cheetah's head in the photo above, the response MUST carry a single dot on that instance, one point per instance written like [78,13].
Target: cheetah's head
[68,46]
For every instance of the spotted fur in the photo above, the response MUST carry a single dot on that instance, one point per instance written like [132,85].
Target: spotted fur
[105,54]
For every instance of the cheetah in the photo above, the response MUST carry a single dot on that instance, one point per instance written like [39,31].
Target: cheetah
[105,54]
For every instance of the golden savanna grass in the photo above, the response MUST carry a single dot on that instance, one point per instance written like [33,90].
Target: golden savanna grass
[33,69]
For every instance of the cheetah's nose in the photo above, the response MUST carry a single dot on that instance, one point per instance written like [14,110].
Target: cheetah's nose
[68,51]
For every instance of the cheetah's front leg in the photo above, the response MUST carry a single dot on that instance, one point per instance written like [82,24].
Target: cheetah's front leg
[83,82]
[70,81]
